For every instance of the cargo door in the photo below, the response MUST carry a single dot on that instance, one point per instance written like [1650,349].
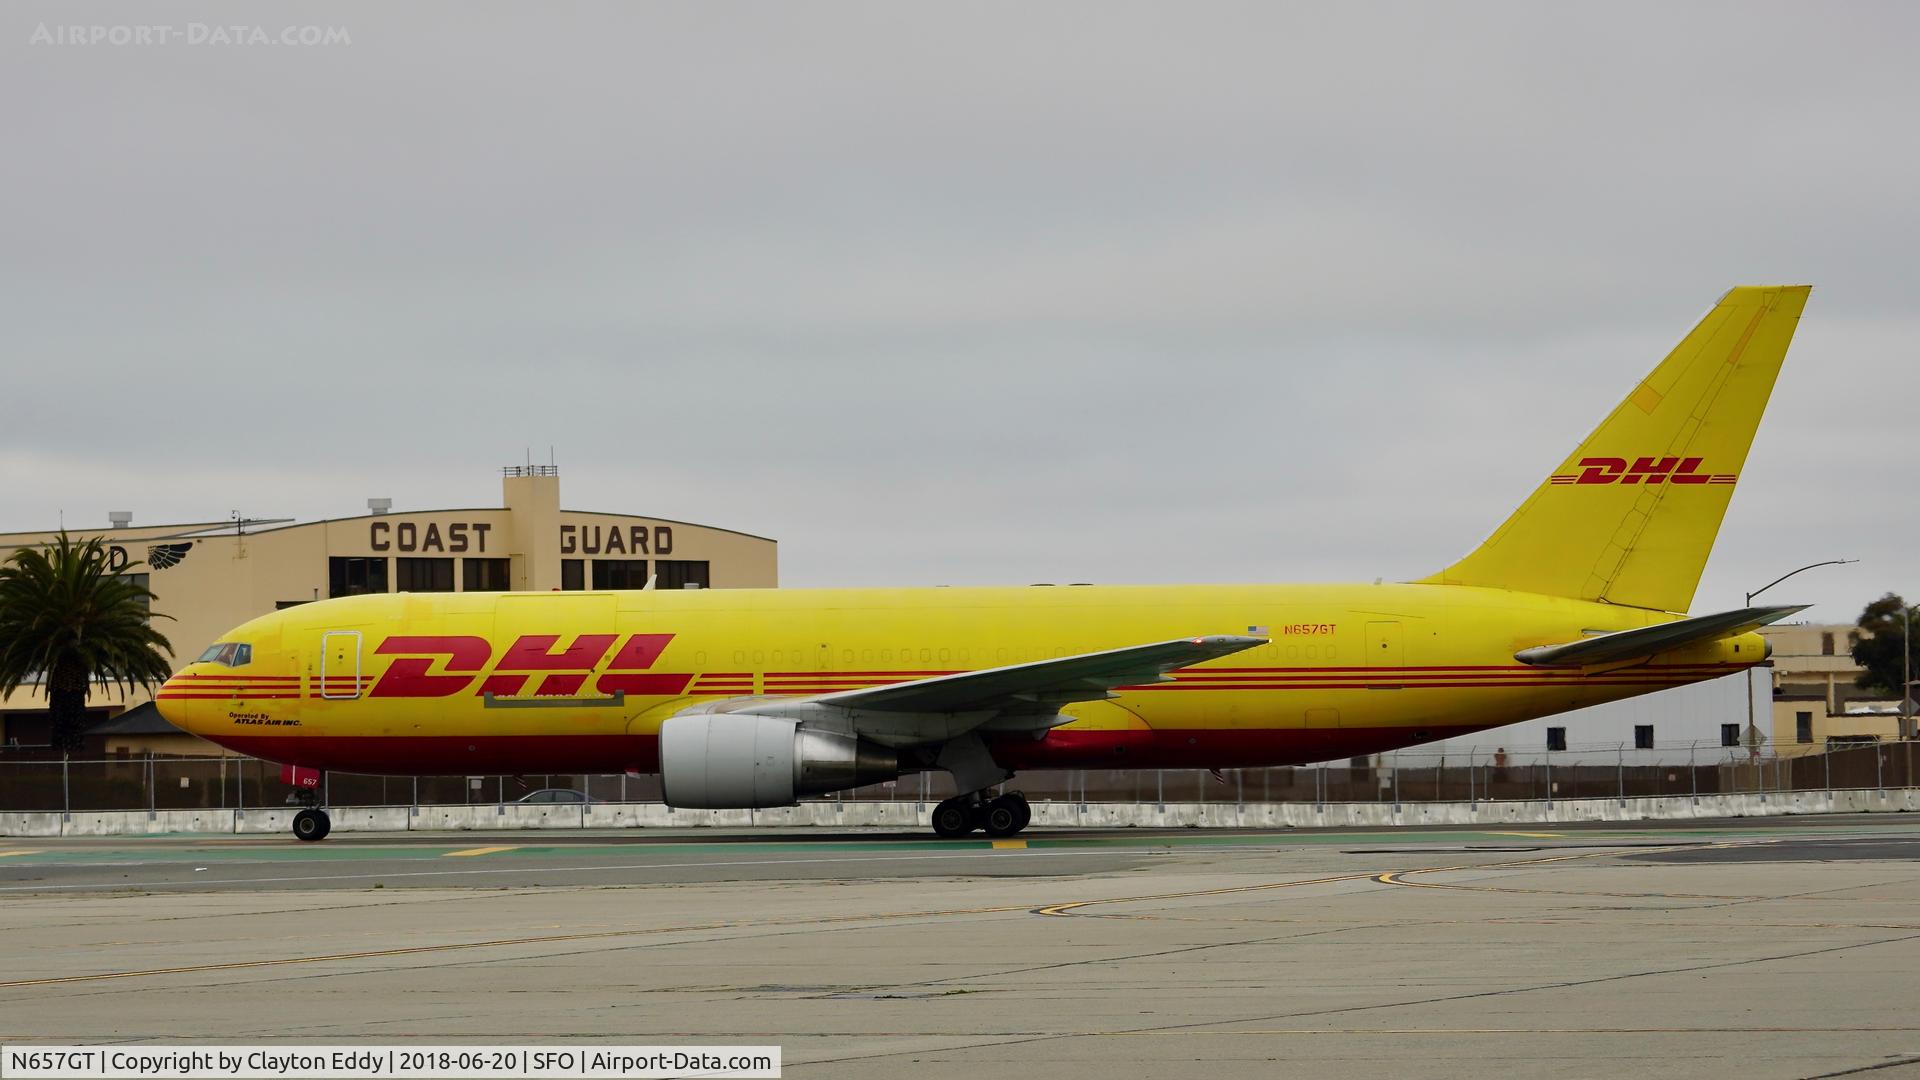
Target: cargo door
[550,646]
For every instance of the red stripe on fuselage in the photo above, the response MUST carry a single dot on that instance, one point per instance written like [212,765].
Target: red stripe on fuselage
[1179,748]
[1417,685]
[237,695]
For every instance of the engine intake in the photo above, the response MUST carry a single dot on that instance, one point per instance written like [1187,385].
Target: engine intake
[732,761]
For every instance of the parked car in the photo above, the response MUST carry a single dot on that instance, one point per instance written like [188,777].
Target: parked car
[557,795]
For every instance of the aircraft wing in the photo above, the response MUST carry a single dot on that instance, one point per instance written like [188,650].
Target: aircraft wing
[1648,640]
[1042,685]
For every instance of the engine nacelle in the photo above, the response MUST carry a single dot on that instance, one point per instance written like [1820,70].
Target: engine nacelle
[736,761]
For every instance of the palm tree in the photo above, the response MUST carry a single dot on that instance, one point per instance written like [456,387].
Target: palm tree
[68,619]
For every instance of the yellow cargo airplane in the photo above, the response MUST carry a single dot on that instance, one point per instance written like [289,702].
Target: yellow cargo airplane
[758,697]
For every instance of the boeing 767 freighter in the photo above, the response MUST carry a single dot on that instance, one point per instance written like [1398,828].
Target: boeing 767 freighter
[760,697]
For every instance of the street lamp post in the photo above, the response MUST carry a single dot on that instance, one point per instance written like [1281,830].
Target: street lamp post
[1764,588]
[1906,671]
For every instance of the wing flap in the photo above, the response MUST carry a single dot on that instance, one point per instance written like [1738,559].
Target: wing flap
[1649,640]
[1042,685]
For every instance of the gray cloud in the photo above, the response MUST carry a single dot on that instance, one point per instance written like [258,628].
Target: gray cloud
[999,293]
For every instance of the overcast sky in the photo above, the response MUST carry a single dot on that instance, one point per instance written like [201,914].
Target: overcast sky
[959,294]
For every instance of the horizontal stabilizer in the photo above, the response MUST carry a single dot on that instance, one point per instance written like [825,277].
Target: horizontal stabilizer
[1649,640]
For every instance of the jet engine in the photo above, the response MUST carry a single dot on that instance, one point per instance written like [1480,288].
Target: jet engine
[730,761]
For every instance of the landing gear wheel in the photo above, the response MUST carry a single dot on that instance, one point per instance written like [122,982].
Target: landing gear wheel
[953,818]
[1026,812]
[1002,817]
[311,825]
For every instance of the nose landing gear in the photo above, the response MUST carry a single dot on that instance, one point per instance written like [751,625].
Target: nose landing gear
[997,817]
[312,824]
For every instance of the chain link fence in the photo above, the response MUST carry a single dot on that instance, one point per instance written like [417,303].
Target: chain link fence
[178,783]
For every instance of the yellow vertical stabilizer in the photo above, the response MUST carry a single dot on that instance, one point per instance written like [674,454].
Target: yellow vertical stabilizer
[1630,517]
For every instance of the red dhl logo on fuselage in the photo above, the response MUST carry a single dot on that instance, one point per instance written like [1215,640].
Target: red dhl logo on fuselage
[463,659]
[1647,470]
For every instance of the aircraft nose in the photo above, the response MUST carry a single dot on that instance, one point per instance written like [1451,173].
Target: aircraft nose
[173,704]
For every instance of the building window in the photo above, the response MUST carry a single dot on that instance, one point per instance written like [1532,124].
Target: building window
[1556,738]
[573,574]
[1826,643]
[619,573]
[282,605]
[138,581]
[423,575]
[681,574]
[485,575]
[353,575]
[1729,734]
[1643,736]
[143,582]
[1803,727]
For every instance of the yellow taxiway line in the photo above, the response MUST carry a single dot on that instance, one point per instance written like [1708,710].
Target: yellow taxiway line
[476,851]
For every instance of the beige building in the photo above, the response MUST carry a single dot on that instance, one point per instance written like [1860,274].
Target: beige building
[212,576]
[1815,698]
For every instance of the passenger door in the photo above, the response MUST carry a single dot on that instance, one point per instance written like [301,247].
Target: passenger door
[340,676]
[1384,649]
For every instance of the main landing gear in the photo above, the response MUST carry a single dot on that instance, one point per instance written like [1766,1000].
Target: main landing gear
[974,771]
[1002,816]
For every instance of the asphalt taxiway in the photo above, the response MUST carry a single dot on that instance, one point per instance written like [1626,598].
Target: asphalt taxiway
[1781,947]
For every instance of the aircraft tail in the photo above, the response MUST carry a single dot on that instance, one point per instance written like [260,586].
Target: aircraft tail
[1630,517]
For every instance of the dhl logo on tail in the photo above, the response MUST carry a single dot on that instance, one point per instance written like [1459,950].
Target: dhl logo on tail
[1613,470]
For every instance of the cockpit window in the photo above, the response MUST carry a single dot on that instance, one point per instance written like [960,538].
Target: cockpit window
[229,653]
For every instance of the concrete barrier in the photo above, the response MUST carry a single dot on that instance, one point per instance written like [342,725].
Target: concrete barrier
[913,815]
